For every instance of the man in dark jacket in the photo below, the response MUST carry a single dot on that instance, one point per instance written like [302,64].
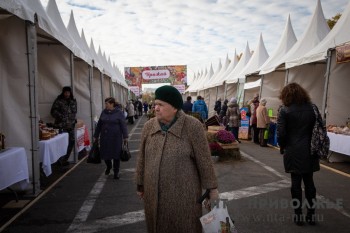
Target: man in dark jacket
[64,110]
[187,106]
[217,106]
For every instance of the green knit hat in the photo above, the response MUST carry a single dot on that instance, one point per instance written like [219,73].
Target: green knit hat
[170,95]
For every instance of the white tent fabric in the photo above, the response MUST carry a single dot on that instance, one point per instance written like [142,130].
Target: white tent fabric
[97,62]
[286,42]
[337,36]
[14,103]
[233,76]
[315,32]
[258,58]
[337,110]
[96,93]
[73,32]
[62,34]
[214,91]
[201,82]
[214,80]
[251,85]
[220,79]
[26,10]
[206,78]
[272,84]
[312,78]
[216,72]
[34,64]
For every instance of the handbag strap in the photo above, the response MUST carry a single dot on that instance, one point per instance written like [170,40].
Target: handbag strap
[317,114]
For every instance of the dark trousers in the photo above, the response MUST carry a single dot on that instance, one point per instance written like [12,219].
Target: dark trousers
[234,131]
[263,142]
[131,119]
[310,192]
[116,165]
[71,144]
[255,131]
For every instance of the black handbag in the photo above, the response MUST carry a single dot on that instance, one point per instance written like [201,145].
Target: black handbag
[94,154]
[125,155]
[319,140]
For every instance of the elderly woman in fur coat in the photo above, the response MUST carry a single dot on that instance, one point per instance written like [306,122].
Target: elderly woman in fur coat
[173,167]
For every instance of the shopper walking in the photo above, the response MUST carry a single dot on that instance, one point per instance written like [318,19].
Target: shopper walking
[173,167]
[112,131]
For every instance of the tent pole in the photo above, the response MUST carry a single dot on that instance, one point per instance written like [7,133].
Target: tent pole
[326,84]
[75,157]
[90,92]
[102,92]
[286,77]
[261,82]
[225,91]
[31,41]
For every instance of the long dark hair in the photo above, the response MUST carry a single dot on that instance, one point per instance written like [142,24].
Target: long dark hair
[293,93]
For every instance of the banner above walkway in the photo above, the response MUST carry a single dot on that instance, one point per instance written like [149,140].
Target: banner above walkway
[175,75]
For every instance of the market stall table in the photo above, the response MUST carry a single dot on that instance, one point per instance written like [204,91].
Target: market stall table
[13,167]
[339,143]
[51,150]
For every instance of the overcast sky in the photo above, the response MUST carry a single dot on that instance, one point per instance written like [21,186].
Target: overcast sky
[195,33]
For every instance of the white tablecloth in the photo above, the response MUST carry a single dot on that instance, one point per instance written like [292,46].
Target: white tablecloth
[13,167]
[339,143]
[51,150]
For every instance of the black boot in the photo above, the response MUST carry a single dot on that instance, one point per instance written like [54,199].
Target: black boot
[116,175]
[116,165]
[310,218]
[108,170]
[109,167]
[298,219]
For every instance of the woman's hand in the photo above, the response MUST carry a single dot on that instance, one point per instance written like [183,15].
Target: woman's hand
[213,195]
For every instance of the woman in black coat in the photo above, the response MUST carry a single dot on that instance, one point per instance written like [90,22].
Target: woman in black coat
[112,130]
[295,122]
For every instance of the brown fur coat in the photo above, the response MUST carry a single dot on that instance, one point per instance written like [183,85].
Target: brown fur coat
[173,168]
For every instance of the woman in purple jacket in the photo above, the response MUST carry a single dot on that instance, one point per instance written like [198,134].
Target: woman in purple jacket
[112,131]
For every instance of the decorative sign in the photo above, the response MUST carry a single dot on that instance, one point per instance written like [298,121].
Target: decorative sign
[243,132]
[155,74]
[135,90]
[82,138]
[180,88]
[175,75]
[343,53]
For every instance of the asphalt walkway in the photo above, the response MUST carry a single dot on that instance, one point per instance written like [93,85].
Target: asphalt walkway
[256,188]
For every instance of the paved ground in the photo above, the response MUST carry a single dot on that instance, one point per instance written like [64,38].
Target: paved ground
[256,188]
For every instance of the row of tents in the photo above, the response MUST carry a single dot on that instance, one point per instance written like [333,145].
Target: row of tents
[309,61]
[38,56]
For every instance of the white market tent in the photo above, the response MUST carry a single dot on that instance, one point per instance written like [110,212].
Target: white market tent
[251,70]
[204,93]
[220,78]
[217,92]
[37,53]
[337,82]
[273,80]
[232,86]
[311,77]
